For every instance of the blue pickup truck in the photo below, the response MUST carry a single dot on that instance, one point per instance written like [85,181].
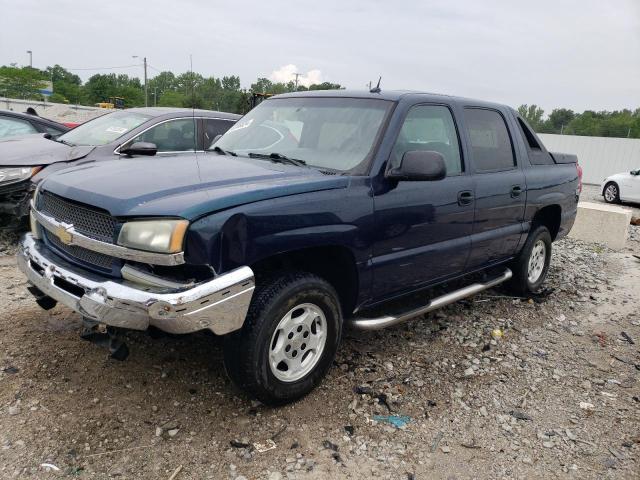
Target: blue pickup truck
[311,213]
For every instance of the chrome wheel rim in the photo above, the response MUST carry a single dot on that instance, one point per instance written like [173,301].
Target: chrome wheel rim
[610,193]
[297,343]
[536,261]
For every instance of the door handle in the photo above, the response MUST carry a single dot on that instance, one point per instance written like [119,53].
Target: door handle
[465,197]
[516,190]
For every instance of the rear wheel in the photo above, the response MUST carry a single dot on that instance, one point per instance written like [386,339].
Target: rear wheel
[531,266]
[289,338]
[611,193]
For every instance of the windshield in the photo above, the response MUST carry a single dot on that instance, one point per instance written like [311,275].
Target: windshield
[333,133]
[104,129]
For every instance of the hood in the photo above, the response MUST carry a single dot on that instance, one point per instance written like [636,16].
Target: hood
[617,177]
[35,149]
[187,186]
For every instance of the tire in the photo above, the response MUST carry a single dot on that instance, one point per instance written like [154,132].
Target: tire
[307,310]
[611,193]
[536,254]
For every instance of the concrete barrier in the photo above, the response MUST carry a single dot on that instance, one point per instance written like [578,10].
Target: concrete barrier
[58,112]
[601,223]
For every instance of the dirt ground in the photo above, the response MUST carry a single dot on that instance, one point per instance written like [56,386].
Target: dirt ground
[557,396]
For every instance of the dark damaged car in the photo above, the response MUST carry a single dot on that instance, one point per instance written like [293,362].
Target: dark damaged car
[26,160]
[315,211]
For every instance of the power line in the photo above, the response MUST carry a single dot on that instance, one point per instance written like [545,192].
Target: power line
[154,68]
[105,68]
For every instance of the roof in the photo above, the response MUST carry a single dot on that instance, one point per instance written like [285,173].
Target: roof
[33,118]
[159,111]
[392,95]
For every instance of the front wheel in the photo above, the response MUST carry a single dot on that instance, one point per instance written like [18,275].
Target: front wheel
[289,338]
[531,266]
[611,193]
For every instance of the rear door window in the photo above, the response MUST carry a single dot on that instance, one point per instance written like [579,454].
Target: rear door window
[491,145]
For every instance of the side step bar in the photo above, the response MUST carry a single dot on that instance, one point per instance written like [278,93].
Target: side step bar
[438,302]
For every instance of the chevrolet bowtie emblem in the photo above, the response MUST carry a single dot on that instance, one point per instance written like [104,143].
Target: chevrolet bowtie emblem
[63,234]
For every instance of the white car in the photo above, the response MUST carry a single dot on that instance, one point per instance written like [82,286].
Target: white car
[622,187]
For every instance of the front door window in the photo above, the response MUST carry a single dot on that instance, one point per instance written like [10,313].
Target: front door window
[171,136]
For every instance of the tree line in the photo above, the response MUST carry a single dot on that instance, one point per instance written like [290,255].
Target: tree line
[619,123]
[191,89]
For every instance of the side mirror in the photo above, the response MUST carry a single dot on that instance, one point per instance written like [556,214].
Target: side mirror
[140,148]
[213,142]
[416,165]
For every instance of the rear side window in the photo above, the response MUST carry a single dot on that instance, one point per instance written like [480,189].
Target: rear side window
[528,135]
[430,127]
[491,146]
[536,155]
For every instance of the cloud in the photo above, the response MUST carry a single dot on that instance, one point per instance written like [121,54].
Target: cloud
[287,73]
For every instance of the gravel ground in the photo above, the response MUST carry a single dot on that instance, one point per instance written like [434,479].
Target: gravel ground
[556,396]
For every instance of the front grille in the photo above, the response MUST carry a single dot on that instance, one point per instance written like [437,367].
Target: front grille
[92,222]
[87,256]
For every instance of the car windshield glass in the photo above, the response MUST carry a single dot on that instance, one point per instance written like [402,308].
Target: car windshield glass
[323,132]
[104,129]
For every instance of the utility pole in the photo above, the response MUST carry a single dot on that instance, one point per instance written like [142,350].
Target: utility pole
[297,75]
[146,96]
[30,58]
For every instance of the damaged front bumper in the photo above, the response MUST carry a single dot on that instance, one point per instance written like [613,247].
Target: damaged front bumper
[219,305]
[14,202]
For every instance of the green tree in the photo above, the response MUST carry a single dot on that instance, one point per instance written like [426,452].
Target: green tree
[262,85]
[325,86]
[171,99]
[163,82]
[533,115]
[67,86]
[100,87]
[25,82]
[558,120]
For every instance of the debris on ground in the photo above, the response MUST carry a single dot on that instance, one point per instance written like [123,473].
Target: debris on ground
[557,395]
[265,447]
[397,421]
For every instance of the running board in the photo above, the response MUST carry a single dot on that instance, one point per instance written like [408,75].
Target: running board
[436,303]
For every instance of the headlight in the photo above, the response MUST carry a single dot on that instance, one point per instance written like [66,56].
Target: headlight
[12,175]
[164,236]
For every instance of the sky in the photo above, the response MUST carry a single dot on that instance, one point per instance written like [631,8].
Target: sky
[578,54]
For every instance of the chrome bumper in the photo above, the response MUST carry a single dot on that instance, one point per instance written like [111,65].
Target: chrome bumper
[219,305]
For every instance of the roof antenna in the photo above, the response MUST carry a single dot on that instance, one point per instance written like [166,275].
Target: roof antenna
[193,104]
[376,89]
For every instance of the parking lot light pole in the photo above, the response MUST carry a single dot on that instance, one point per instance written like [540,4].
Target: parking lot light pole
[146,96]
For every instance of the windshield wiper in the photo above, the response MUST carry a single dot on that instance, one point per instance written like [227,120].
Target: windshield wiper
[279,157]
[224,152]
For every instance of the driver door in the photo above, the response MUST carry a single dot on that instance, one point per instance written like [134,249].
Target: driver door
[423,228]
